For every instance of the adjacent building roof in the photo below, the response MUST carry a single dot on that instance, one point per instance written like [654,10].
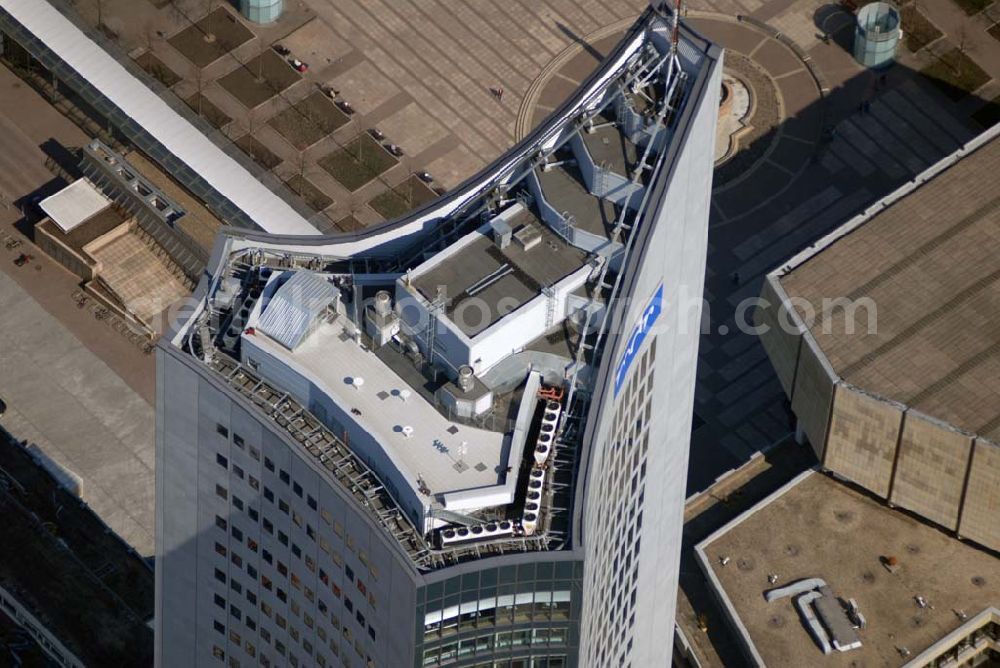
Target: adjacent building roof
[75,204]
[929,265]
[817,527]
[290,313]
[147,110]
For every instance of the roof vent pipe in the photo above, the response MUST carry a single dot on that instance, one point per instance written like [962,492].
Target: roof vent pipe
[466,381]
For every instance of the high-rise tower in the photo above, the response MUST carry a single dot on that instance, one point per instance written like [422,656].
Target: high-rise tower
[459,438]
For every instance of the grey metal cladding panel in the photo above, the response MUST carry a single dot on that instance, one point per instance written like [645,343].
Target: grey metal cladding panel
[780,339]
[176,540]
[931,468]
[812,395]
[981,508]
[861,444]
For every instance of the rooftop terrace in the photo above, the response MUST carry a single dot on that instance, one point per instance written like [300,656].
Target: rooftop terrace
[421,441]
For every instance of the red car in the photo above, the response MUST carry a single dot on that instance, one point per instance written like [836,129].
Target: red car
[299,65]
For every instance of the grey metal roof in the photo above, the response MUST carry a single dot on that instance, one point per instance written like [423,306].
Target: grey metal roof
[147,110]
[295,305]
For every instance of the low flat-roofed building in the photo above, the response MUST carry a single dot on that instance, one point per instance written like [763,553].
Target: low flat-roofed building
[817,527]
[74,205]
[886,337]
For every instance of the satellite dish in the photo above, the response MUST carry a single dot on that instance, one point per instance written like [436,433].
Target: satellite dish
[407,431]
[357,382]
[404,394]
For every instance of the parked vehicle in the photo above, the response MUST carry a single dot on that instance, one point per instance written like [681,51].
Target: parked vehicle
[395,150]
[299,65]
[281,50]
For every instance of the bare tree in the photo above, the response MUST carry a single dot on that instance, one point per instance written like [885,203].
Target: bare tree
[210,6]
[251,128]
[261,50]
[199,85]
[100,12]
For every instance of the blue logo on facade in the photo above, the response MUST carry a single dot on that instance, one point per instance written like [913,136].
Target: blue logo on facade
[639,332]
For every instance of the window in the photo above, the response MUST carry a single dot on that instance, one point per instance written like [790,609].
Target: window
[348,604]
[310,564]
[251,598]
[220,576]
[268,464]
[283,506]
[218,653]
[221,460]
[221,492]
[238,471]
[219,626]
[268,526]
[235,637]
[297,519]
[311,501]
[283,569]
[266,609]
[252,544]
[283,476]
[221,549]
[237,534]
[266,555]
[325,514]
[280,621]
[220,601]
[222,431]
[360,618]
[235,612]
[297,488]
[237,502]
[220,522]
[237,440]
[371,632]
[254,483]
[236,586]
[349,573]
[253,514]
[251,624]
[310,532]
[254,453]
[236,559]
[338,529]
[268,494]
[282,595]
[296,551]
[251,571]
[282,537]
[323,545]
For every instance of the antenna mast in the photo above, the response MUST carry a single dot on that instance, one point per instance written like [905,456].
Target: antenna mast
[676,32]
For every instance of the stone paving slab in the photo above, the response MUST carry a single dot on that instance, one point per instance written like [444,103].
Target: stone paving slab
[62,397]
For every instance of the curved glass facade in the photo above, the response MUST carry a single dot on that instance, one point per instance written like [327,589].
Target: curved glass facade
[525,616]
[261,11]
[876,35]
